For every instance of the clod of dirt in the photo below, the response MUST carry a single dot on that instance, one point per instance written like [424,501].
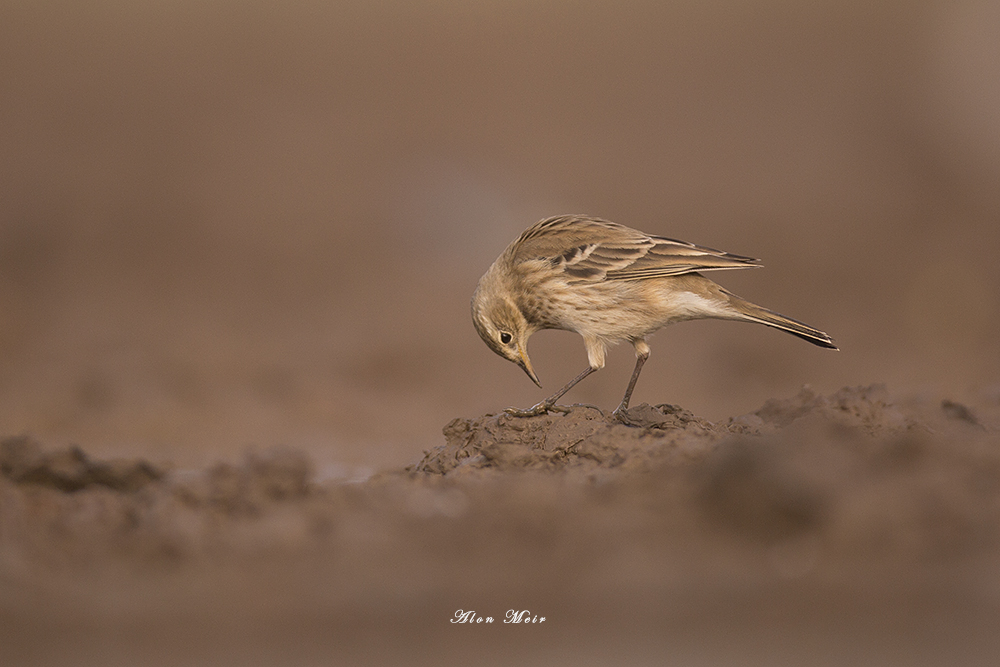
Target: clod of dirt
[23,462]
[260,480]
[959,412]
[866,407]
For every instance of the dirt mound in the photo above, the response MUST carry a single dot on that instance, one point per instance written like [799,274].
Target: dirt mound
[871,477]
[854,469]
[584,437]
[23,461]
[813,518]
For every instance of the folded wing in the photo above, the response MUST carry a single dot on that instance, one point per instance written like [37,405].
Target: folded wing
[591,250]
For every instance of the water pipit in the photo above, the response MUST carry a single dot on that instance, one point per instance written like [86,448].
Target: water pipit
[609,283]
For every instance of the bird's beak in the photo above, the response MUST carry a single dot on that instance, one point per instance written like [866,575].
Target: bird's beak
[525,363]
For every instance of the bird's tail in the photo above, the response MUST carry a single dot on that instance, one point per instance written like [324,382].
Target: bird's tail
[751,312]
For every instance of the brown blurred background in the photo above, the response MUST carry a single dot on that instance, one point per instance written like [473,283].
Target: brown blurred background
[228,224]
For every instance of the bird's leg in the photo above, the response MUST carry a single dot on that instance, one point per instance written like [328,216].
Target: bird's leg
[550,403]
[641,354]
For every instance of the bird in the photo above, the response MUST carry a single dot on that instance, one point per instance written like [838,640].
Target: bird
[609,283]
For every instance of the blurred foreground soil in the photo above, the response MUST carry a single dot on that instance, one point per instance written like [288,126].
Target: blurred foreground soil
[853,528]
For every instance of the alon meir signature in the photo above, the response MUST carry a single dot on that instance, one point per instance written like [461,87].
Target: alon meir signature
[512,616]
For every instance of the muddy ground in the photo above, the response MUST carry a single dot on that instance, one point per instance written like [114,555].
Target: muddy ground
[850,528]
[238,242]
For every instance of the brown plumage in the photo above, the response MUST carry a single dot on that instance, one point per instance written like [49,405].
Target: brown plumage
[609,283]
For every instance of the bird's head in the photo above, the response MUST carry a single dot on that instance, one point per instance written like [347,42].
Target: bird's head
[501,324]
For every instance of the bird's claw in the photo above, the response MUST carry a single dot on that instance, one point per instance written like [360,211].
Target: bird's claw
[621,414]
[542,408]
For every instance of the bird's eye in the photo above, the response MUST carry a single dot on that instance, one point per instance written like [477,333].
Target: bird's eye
[505,337]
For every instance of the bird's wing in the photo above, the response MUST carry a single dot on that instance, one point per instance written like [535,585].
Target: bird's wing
[592,250]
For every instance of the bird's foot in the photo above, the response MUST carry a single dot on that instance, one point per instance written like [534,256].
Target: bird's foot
[542,408]
[621,414]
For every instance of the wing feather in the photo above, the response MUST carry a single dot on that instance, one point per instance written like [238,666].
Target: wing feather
[591,250]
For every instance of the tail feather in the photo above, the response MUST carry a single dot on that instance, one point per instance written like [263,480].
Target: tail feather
[753,313]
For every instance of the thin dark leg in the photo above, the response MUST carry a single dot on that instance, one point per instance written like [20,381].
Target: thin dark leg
[550,402]
[572,383]
[639,361]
